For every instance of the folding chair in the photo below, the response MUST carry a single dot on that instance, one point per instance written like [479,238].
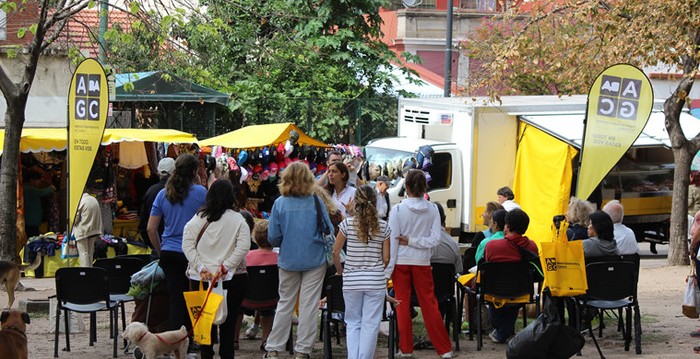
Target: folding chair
[613,285]
[119,271]
[84,290]
[512,282]
[332,312]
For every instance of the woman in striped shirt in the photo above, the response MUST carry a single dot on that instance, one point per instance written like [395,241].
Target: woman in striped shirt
[364,284]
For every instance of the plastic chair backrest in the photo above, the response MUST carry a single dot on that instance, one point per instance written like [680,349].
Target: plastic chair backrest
[119,272]
[334,294]
[444,280]
[506,279]
[80,285]
[263,287]
[611,280]
[468,258]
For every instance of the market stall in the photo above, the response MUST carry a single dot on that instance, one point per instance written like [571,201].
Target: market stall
[122,171]
[254,155]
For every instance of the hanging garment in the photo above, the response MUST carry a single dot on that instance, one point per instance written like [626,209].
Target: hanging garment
[132,155]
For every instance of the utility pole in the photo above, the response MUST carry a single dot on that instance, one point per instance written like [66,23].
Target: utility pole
[448,51]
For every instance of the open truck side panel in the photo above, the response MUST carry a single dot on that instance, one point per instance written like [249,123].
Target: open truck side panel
[477,145]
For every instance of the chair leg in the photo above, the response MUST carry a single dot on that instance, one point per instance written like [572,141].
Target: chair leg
[637,330]
[326,334]
[601,322]
[55,342]
[590,331]
[123,323]
[456,325]
[67,327]
[290,340]
[392,336]
[116,328]
[93,328]
[478,324]
[628,328]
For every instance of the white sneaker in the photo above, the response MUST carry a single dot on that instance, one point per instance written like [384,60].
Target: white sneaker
[447,355]
[399,355]
[252,332]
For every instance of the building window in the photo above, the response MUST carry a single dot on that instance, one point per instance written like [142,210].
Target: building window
[3,25]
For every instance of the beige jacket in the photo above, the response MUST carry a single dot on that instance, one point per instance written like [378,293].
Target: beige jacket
[88,219]
[225,241]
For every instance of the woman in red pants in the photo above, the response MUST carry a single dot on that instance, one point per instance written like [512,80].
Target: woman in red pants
[415,230]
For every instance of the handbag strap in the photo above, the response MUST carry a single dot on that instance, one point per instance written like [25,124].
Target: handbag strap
[199,236]
[319,217]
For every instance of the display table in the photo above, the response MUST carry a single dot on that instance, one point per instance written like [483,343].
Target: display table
[126,228]
[51,264]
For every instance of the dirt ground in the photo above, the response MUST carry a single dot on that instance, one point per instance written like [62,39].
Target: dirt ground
[665,329]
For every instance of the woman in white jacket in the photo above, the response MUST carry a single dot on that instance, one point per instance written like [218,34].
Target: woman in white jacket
[219,251]
[415,231]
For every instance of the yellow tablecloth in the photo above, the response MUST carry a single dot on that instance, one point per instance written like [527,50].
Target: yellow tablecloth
[51,264]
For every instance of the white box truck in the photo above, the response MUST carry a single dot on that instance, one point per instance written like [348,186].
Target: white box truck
[531,144]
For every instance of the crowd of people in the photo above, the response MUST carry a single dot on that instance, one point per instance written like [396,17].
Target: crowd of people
[201,234]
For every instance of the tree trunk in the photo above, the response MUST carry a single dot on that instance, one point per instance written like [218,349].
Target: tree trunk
[678,241]
[14,121]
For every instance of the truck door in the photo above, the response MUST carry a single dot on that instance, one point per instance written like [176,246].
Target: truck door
[445,186]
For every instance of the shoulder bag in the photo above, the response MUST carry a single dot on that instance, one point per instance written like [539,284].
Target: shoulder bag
[327,234]
[222,310]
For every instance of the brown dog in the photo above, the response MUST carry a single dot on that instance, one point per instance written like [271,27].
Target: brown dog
[9,275]
[13,334]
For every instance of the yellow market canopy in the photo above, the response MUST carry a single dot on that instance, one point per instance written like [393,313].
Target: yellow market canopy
[114,135]
[260,136]
[54,139]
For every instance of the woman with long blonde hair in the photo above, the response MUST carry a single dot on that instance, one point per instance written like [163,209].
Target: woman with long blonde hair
[294,228]
[364,284]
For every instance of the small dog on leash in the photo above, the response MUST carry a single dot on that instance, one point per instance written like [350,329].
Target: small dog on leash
[153,345]
[9,275]
[13,334]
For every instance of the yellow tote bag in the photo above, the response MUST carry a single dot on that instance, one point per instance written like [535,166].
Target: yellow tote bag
[201,306]
[564,265]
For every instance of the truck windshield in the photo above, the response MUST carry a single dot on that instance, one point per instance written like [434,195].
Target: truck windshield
[380,155]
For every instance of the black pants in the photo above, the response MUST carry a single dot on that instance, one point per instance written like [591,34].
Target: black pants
[174,265]
[236,288]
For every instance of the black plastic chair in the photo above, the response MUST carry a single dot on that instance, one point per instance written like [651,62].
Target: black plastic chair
[389,315]
[262,292]
[119,271]
[444,281]
[333,311]
[504,281]
[613,285]
[84,290]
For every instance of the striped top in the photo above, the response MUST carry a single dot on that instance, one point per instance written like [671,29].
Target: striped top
[364,268]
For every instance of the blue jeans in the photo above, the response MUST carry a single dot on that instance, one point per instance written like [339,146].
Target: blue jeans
[503,321]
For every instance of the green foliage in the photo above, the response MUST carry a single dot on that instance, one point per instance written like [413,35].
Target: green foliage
[310,62]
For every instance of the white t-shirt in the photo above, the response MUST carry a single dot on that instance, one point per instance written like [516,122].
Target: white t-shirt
[626,240]
[382,206]
[510,205]
[343,198]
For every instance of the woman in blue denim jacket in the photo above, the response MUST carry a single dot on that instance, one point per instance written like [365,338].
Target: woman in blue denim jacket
[302,265]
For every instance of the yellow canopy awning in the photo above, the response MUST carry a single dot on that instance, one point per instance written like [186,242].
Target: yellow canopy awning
[114,135]
[54,139]
[260,136]
[42,139]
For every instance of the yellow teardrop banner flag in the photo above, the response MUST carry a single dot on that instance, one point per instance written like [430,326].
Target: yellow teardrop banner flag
[619,105]
[87,115]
